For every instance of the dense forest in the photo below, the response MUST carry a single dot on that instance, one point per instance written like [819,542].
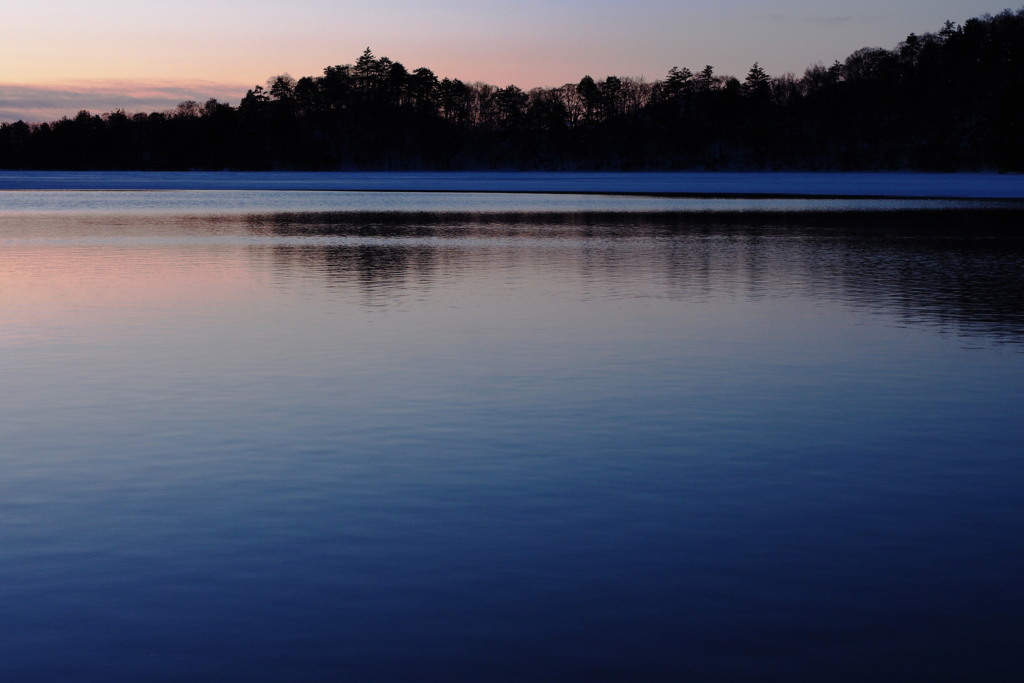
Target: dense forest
[949,100]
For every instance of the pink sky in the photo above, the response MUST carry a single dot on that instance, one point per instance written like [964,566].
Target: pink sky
[65,55]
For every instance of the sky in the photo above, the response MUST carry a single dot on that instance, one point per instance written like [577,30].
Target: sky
[61,56]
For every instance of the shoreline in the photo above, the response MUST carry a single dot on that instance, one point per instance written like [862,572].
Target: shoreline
[682,184]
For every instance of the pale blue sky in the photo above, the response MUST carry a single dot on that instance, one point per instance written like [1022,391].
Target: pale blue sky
[221,47]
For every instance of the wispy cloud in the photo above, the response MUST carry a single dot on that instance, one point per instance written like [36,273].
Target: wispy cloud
[34,103]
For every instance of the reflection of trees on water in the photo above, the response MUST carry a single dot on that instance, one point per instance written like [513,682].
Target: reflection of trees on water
[972,285]
[961,270]
[381,274]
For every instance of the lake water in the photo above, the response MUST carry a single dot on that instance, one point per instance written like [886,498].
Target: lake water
[260,435]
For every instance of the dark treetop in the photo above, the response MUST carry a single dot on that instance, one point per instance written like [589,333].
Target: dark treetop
[950,100]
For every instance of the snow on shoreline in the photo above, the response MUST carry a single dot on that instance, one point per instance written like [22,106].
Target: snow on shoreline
[724,184]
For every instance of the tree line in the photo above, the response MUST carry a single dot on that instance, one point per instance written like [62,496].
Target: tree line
[948,100]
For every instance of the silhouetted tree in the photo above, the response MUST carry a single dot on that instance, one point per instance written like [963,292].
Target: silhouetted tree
[757,85]
[942,101]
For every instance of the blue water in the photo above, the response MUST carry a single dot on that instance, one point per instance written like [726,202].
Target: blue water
[711,184]
[476,443]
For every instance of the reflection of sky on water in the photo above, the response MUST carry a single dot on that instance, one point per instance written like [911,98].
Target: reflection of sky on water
[493,446]
[955,269]
[221,202]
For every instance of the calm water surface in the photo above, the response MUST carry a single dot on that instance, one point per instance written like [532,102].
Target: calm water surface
[308,436]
